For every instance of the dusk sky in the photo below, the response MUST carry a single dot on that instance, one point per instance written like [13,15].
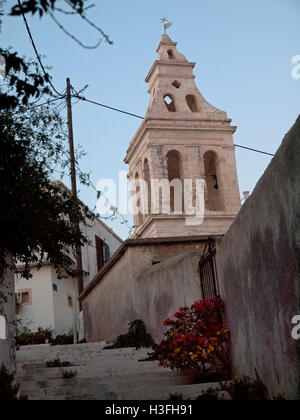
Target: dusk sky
[243,51]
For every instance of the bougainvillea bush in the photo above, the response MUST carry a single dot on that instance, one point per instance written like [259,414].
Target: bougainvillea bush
[197,339]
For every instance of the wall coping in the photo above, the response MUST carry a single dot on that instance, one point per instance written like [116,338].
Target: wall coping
[134,243]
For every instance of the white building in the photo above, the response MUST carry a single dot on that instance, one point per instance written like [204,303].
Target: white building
[48,301]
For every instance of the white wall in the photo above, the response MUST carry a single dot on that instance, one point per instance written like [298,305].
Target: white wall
[63,313]
[89,255]
[50,308]
[40,313]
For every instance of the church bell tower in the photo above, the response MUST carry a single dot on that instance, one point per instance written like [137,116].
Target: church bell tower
[182,142]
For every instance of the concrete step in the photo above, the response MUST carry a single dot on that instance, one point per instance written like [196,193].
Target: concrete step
[66,353]
[73,387]
[116,374]
[92,370]
[122,381]
[103,372]
[149,393]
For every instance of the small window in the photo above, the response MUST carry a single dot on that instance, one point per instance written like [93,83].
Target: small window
[25,297]
[176,84]
[99,251]
[169,102]
[171,54]
[70,301]
[103,252]
[55,287]
[106,253]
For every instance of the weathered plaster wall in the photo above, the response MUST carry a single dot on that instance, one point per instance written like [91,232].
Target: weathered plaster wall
[259,270]
[133,288]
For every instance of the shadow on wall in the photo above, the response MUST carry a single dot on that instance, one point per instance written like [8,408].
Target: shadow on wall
[258,263]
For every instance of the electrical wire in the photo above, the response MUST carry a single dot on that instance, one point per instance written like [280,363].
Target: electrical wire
[47,77]
[140,117]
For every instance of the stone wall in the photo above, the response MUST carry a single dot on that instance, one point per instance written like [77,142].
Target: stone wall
[148,280]
[259,271]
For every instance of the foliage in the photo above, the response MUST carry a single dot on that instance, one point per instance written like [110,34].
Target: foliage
[23,81]
[57,363]
[246,389]
[210,394]
[64,339]
[241,389]
[69,374]
[197,339]
[137,337]
[151,357]
[40,224]
[175,398]
[18,305]
[27,337]
[44,6]
[9,390]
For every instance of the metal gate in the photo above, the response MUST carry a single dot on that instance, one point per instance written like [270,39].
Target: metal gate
[208,271]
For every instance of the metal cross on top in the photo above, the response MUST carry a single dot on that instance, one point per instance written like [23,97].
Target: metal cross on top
[166,23]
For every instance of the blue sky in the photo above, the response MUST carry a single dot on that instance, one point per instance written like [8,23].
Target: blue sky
[243,50]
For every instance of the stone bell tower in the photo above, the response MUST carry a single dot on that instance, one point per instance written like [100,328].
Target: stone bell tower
[182,140]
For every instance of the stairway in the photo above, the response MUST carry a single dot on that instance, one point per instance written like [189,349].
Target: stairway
[100,375]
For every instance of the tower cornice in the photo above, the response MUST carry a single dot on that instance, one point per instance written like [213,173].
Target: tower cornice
[155,124]
[168,63]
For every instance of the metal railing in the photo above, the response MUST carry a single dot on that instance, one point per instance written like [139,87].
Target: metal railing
[208,271]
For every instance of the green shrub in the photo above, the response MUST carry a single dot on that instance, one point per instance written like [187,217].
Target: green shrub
[198,339]
[26,337]
[246,389]
[69,374]
[64,339]
[175,398]
[210,395]
[137,337]
[58,363]
[241,389]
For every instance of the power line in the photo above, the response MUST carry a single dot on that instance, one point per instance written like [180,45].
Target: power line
[88,100]
[48,102]
[140,117]
[47,77]
[82,98]
[254,150]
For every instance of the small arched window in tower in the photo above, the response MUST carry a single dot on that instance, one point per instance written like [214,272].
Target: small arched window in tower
[169,102]
[174,175]
[148,182]
[213,199]
[192,103]
[176,84]
[171,54]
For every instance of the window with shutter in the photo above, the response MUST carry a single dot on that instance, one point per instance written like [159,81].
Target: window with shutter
[99,251]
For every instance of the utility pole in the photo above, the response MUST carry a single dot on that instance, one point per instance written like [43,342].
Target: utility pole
[74,189]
